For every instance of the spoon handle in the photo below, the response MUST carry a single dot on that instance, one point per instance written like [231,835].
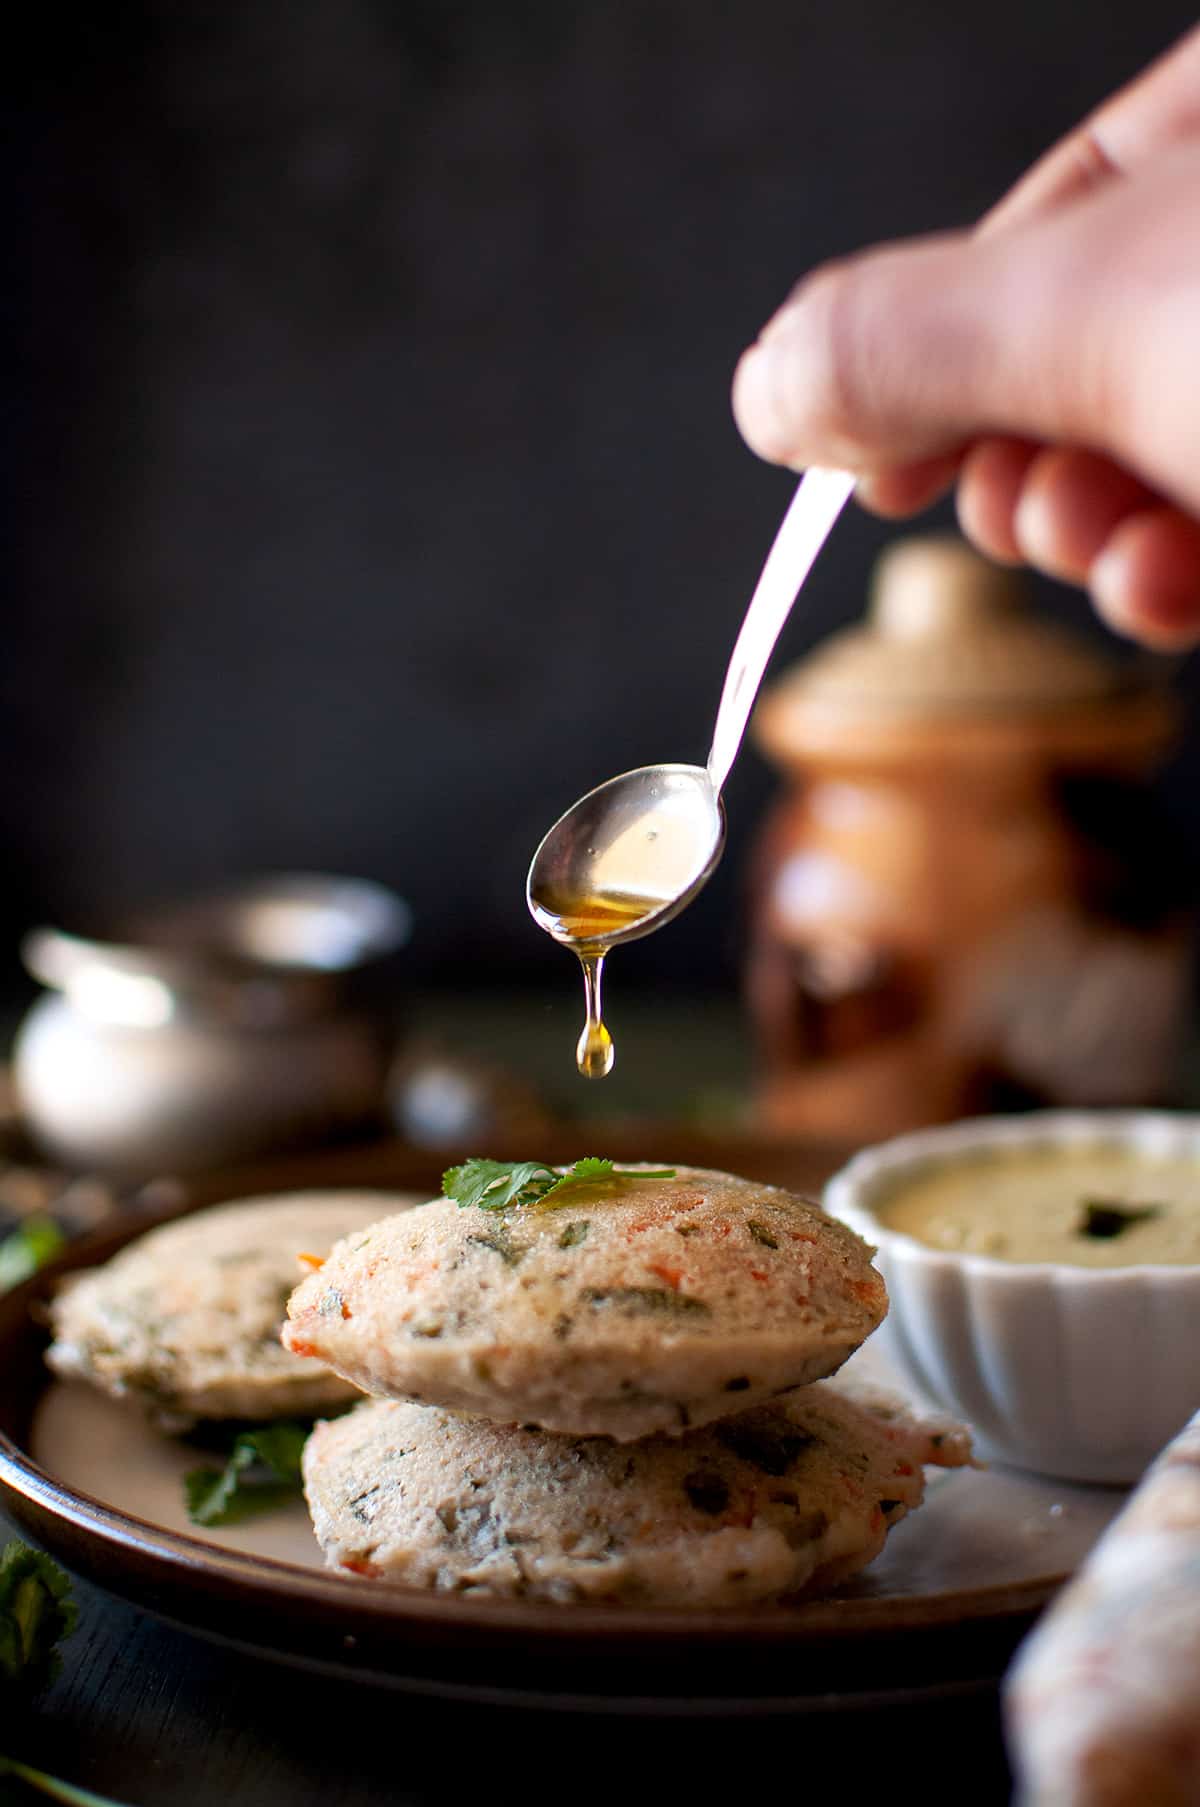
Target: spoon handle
[805,527]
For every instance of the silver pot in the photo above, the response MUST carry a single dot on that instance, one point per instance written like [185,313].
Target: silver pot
[213,1031]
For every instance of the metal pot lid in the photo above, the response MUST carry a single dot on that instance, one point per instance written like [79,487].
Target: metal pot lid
[284,946]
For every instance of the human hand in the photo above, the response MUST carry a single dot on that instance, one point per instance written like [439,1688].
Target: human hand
[1048,363]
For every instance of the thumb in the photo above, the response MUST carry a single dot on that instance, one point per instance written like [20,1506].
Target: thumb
[1073,327]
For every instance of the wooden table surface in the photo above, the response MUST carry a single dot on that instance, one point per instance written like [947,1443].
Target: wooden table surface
[154,1716]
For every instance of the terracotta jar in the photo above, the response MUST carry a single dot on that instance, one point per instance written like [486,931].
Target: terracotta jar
[963,900]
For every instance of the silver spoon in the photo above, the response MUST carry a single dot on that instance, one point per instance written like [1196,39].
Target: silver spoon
[634,852]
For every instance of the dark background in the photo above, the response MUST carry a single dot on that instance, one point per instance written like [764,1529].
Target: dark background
[373,484]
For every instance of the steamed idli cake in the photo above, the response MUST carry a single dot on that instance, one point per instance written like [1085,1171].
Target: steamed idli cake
[186,1318]
[798,1494]
[633,1306]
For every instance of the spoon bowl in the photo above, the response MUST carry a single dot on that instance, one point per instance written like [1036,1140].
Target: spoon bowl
[627,857]
[634,852]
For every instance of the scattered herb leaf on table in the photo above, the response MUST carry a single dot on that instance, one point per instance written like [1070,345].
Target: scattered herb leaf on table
[36,1614]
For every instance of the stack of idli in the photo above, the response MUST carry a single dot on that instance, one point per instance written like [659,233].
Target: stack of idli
[620,1393]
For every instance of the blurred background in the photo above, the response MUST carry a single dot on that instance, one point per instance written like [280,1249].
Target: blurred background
[372,482]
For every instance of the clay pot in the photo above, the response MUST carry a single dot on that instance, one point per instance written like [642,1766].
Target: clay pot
[961,900]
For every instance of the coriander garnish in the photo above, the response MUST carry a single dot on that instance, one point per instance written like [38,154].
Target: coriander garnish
[37,1614]
[262,1472]
[495,1185]
[27,1248]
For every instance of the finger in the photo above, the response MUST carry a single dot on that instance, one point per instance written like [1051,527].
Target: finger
[989,489]
[906,352]
[1146,582]
[1070,504]
[895,356]
[832,377]
[907,488]
[1159,108]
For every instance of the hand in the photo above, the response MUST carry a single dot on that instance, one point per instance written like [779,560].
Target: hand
[1048,363]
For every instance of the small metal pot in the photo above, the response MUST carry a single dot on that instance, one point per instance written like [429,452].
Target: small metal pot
[213,1031]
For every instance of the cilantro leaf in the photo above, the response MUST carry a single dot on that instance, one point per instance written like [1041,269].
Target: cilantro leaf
[28,1248]
[495,1185]
[262,1472]
[591,1167]
[36,1613]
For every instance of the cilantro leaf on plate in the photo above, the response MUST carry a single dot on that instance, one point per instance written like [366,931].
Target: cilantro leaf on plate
[27,1248]
[262,1472]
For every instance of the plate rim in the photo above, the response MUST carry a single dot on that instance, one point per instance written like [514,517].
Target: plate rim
[86,1530]
[22,1476]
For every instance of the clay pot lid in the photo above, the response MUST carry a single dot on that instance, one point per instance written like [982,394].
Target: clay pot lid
[947,649]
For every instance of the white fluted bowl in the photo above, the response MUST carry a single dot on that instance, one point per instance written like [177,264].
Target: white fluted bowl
[1078,1372]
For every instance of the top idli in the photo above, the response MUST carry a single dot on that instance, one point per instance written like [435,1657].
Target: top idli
[621,1307]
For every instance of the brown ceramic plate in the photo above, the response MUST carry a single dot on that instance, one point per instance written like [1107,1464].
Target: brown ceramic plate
[942,1609]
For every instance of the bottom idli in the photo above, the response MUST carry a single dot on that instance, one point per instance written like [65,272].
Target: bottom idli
[793,1496]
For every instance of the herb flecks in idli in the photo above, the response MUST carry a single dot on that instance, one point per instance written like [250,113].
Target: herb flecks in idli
[645,1302]
[798,1500]
[185,1320]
